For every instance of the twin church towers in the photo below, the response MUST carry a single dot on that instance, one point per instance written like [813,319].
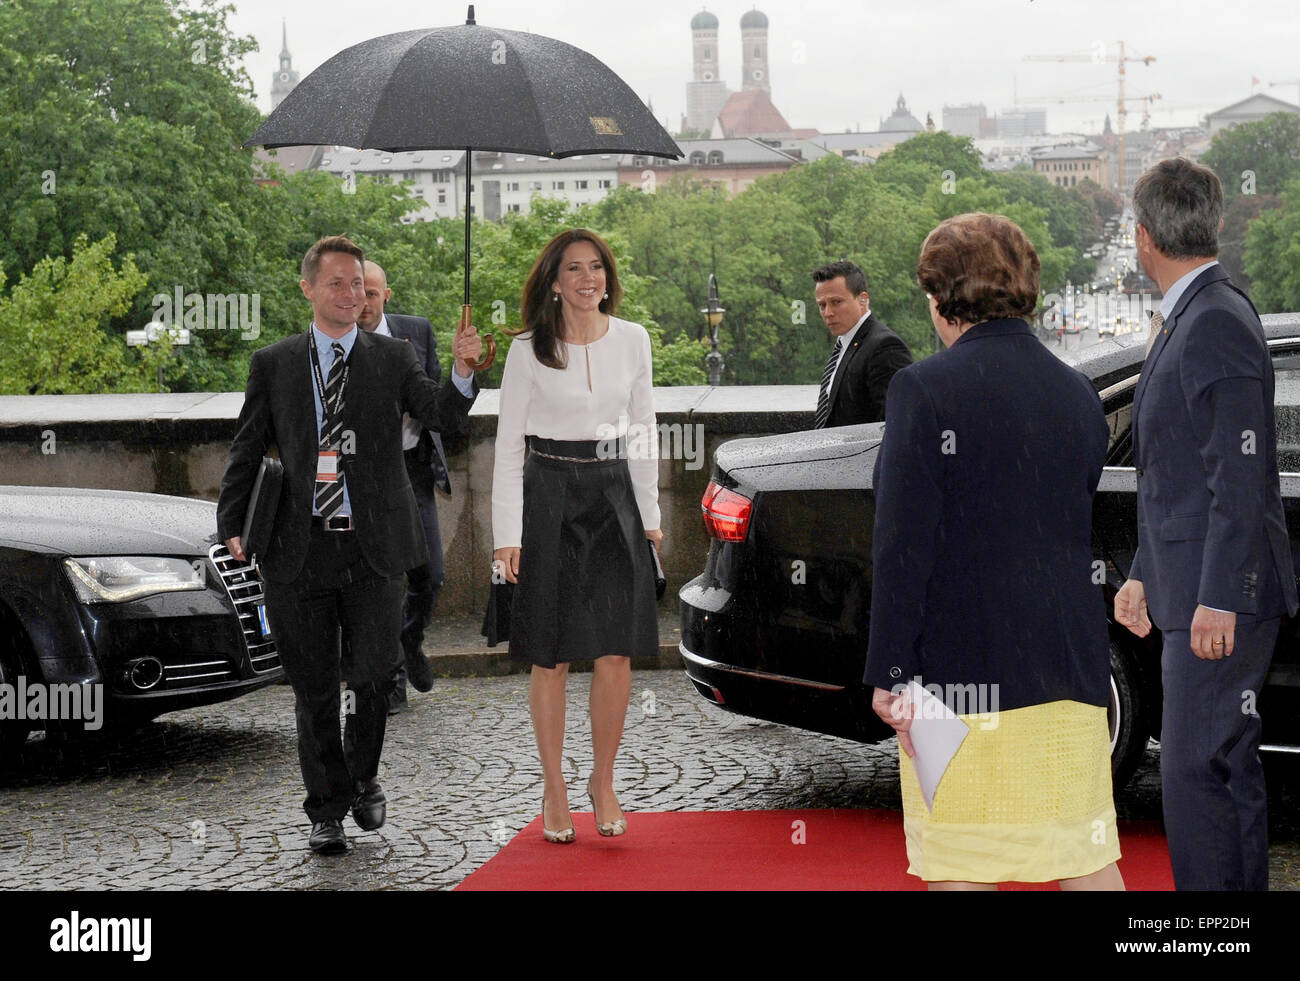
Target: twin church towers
[706,94]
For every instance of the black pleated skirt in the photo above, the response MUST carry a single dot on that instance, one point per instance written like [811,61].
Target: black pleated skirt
[586,584]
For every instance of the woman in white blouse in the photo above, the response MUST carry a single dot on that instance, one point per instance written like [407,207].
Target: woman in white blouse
[571,518]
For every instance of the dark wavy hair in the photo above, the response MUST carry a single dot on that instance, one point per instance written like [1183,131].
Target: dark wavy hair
[979,267]
[541,314]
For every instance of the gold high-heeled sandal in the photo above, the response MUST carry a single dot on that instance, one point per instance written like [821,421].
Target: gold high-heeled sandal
[608,829]
[564,837]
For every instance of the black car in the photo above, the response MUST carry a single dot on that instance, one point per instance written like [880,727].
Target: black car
[776,625]
[129,592]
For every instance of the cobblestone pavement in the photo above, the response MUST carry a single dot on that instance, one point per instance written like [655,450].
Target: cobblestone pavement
[211,798]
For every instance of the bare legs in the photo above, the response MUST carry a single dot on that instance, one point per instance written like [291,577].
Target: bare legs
[611,687]
[546,702]
[1107,879]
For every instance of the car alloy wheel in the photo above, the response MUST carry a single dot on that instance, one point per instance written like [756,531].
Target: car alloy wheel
[1125,717]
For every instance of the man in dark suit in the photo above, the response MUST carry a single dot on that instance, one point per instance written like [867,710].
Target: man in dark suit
[426,466]
[865,355]
[346,528]
[1213,565]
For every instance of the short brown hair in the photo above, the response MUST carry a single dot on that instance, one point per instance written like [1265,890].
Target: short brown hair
[979,267]
[331,243]
[541,314]
[1180,204]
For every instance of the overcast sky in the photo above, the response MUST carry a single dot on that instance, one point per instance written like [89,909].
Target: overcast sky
[857,57]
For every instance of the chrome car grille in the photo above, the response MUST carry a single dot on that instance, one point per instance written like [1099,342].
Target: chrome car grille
[244,587]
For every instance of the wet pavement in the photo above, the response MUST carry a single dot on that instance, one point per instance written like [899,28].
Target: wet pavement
[211,798]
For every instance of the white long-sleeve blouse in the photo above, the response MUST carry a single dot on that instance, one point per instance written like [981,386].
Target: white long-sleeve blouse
[557,404]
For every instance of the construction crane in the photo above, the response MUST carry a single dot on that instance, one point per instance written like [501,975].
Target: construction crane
[1121,109]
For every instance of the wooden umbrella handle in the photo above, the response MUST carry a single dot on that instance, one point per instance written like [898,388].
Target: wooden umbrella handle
[488,340]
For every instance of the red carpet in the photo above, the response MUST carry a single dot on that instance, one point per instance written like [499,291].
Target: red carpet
[754,850]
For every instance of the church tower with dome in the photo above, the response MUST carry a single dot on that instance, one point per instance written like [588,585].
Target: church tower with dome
[753,41]
[705,94]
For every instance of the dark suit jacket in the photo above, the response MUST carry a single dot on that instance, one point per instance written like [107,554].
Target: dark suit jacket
[982,548]
[1211,529]
[279,409]
[419,332]
[858,390]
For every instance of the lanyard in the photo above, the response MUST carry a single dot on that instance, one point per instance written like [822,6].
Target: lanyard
[330,411]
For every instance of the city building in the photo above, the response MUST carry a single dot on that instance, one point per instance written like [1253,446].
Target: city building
[1022,122]
[1248,110]
[970,120]
[731,165]
[1067,166]
[438,175]
[504,183]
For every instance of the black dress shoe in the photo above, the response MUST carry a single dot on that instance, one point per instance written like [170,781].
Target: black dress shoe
[327,837]
[419,672]
[370,806]
[397,701]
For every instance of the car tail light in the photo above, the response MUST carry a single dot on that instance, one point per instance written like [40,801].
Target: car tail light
[726,513]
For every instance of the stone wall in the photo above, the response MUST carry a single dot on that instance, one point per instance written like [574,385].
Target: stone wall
[177,444]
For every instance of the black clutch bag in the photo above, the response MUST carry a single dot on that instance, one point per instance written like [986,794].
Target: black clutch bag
[496,621]
[661,581]
[259,520]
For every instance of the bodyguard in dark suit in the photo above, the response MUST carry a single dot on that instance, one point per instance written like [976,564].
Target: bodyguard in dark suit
[426,466]
[865,355]
[346,528]
[1213,567]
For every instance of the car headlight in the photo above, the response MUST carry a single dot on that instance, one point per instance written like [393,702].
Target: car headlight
[119,578]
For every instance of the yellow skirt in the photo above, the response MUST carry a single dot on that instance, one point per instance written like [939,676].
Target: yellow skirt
[1026,798]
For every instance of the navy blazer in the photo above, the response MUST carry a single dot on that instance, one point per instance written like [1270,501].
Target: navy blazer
[1211,529]
[982,563]
[861,381]
[279,409]
[419,332]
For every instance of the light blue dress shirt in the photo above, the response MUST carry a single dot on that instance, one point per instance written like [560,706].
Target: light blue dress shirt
[325,348]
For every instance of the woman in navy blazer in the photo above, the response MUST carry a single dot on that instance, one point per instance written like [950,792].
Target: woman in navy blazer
[983,584]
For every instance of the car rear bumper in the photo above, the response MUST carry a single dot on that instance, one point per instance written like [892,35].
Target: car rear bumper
[835,710]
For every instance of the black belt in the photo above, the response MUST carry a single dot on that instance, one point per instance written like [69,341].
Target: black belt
[577,450]
[340,522]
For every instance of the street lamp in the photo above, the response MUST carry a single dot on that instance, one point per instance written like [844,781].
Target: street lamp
[144,337]
[713,317]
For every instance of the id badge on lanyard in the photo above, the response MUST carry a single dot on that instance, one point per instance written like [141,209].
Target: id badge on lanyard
[327,461]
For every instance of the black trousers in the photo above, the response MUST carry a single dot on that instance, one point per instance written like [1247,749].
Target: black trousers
[424,582]
[1212,781]
[337,595]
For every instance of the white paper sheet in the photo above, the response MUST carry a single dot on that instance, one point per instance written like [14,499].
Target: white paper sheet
[936,733]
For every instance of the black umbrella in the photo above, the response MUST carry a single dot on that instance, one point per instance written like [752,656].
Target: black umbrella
[467,87]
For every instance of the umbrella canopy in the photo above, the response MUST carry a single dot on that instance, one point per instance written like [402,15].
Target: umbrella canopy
[468,86]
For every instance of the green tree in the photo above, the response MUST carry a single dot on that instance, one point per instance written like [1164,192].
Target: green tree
[1273,255]
[1256,158]
[53,339]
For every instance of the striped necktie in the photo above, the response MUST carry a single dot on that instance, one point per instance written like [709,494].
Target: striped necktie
[824,396]
[1157,321]
[329,494]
